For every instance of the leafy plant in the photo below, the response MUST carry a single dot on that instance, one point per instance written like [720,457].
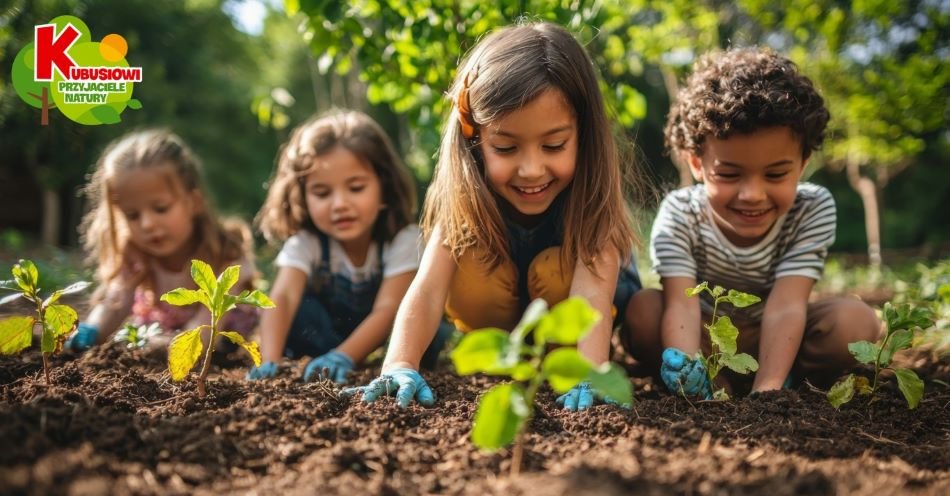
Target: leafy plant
[902,322]
[505,409]
[137,336]
[57,320]
[185,348]
[723,335]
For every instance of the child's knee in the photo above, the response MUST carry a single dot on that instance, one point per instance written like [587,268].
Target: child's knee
[641,330]
[479,299]
[547,278]
[855,321]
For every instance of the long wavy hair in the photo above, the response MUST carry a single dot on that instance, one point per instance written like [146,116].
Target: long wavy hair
[105,234]
[285,210]
[503,73]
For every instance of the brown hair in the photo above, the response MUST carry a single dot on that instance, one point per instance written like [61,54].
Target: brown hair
[104,233]
[285,210]
[504,72]
[742,90]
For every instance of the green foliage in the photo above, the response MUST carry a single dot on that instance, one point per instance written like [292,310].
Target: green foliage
[903,322]
[504,410]
[213,293]
[57,320]
[137,336]
[723,335]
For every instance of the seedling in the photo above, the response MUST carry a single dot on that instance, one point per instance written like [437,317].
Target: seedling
[137,336]
[57,320]
[505,409]
[723,334]
[185,348]
[902,323]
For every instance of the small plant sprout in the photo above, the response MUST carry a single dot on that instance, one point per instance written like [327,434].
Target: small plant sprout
[723,335]
[903,322]
[185,348]
[135,336]
[505,409]
[57,320]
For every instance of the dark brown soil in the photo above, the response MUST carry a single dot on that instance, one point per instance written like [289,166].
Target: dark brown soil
[113,423]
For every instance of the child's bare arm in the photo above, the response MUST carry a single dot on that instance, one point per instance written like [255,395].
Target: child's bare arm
[783,325]
[681,323]
[374,329]
[599,290]
[289,285]
[421,310]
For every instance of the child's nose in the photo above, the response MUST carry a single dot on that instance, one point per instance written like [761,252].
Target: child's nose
[751,191]
[532,166]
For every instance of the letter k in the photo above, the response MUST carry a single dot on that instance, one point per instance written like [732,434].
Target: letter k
[51,51]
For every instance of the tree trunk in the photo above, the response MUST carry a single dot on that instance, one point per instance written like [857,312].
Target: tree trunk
[673,89]
[51,217]
[867,189]
[44,115]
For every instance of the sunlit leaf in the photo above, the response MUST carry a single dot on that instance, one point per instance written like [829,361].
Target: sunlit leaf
[255,298]
[16,334]
[697,289]
[723,334]
[500,416]
[61,319]
[184,352]
[565,368]
[740,299]
[610,381]
[910,385]
[841,392]
[898,340]
[72,288]
[228,279]
[742,363]
[252,347]
[864,351]
[203,276]
[182,297]
[568,322]
[479,351]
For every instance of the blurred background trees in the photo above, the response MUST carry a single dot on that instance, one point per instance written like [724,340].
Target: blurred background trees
[234,77]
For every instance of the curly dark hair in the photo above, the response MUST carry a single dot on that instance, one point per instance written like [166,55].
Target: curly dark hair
[742,90]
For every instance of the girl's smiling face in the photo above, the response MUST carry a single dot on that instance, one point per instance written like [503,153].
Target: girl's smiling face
[158,212]
[530,154]
[751,180]
[344,198]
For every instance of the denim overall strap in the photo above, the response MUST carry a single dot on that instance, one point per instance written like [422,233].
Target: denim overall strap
[348,302]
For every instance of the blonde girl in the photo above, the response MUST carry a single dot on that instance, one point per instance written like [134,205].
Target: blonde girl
[526,202]
[343,203]
[149,218]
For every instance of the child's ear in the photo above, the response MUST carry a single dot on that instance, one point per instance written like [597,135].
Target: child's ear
[695,165]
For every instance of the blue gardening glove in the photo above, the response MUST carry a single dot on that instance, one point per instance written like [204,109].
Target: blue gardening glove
[682,373]
[84,338]
[405,383]
[581,397]
[336,362]
[267,370]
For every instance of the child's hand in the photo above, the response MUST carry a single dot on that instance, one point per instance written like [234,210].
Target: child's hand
[683,374]
[84,338]
[332,365]
[581,397]
[267,370]
[405,383]
[133,269]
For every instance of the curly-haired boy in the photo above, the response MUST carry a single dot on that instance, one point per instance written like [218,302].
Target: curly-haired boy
[746,123]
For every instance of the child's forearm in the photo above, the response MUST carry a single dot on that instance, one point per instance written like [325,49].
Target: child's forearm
[370,334]
[781,337]
[275,325]
[596,344]
[681,327]
[111,312]
[416,324]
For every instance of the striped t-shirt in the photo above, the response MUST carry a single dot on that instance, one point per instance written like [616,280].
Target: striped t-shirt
[686,242]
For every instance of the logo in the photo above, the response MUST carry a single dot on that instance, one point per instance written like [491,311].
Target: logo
[89,82]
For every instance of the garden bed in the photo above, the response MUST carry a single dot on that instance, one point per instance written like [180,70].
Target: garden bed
[112,422]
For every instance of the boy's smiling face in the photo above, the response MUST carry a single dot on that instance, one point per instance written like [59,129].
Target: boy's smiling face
[751,180]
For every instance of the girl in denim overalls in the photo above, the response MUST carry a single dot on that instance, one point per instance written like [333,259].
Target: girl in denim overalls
[526,203]
[343,202]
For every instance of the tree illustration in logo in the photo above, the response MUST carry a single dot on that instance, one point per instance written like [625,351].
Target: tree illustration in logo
[45,95]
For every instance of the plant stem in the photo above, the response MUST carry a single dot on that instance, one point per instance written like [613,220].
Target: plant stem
[877,362]
[518,451]
[206,367]
[39,318]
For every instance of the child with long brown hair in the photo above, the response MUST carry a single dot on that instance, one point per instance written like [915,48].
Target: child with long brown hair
[527,202]
[149,218]
[343,203]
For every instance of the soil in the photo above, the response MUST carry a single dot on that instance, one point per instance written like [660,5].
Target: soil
[113,423]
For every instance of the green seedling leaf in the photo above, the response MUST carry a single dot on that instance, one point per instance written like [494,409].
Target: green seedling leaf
[183,353]
[60,320]
[480,351]
[906,316]
[16,334]
[203,276]
[28,273]
[183,297]
[864,351]
[721,395]
[8,298]
[255,298]
[898,340]
[568,322]
[724,334]
[9,284]
[742,363]
[862,385]
[535,311]
[691,292]
[717,291]
[227,280]
[501,413]
[252,347]
[841,392]
[72,288]
[565,368]
[523,372]
[610,381]
[740,299]
[910,385]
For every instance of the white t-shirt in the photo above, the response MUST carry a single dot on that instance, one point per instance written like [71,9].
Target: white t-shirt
[686,242]
[303,251]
